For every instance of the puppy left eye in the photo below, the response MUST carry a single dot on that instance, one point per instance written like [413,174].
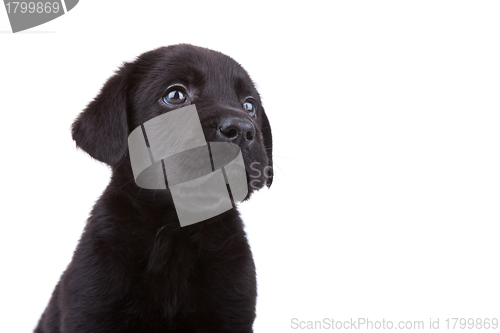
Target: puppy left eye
[175,97]
[250,108]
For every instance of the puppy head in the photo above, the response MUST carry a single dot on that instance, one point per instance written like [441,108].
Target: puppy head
[168,78]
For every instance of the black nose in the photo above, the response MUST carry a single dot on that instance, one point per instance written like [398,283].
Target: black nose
[237,130]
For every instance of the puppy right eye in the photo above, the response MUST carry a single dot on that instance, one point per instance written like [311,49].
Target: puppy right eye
[175,97]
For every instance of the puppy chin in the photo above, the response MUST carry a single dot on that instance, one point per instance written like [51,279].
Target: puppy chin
[255,184]
[256,180]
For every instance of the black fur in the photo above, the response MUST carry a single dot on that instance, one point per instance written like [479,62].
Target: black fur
[135,269]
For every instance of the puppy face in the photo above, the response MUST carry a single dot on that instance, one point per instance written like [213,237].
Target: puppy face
[169,78]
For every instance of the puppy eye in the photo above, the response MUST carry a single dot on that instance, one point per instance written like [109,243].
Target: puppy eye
[175,97]
[250,108]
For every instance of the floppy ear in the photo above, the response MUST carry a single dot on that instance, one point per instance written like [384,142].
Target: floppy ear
[268,145]
[101,129]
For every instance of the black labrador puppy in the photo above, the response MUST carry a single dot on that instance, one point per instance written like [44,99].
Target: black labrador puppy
[135,269]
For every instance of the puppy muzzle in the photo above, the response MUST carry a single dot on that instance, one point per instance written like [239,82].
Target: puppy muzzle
[170,152]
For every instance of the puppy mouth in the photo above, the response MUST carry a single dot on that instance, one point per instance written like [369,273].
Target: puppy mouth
[248,143]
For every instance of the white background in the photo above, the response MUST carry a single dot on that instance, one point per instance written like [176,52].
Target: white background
[386,126]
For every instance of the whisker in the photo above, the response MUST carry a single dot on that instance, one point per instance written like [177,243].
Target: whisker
[158,232]
[124,184]
[224,224]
